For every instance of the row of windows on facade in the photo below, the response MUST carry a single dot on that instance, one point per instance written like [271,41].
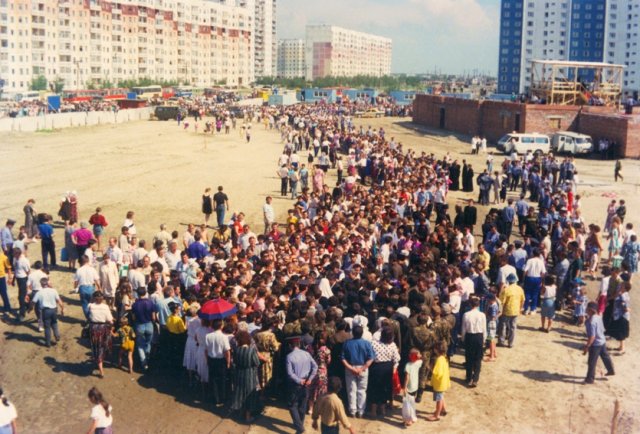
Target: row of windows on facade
[576,6]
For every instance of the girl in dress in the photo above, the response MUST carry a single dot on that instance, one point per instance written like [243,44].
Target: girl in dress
[202,367]
[191,347]
[127,343]
[548,308]
[580,302]
[614,237]
[207,205]
[611,213]
[322,356]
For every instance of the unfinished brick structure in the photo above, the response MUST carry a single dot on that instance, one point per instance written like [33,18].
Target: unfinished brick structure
[493,119]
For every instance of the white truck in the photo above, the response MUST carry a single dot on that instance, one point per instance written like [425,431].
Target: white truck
[566,142]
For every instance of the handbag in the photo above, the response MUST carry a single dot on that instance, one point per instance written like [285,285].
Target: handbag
[64,255]
[409,408]
[395,381]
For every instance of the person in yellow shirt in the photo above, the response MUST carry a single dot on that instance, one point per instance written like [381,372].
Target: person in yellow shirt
[512,301]
[440,381]
[176,337]
[5,272]
[175,323]
[484,256]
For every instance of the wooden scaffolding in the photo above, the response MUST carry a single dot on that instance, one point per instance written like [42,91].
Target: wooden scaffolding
[562,82]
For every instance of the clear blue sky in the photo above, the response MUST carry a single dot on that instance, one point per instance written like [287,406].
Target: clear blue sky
[450,35]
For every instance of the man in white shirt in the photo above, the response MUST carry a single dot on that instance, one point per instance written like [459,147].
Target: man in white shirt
[49,300]
[219,360]
[21,270]
[474,333]
[268,214]
[86,280]
[136,277]
[33,286]
[162,236]
[503,272]
[172,256]
[534,272]
[109,277]
[114,252]
[246,235]
[140,252]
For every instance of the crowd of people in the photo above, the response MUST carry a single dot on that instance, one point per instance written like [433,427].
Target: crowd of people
[370,279]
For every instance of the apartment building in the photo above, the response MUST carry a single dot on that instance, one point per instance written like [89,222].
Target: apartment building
[291,58]
[622,41]
[200,42]
[575,30]
[266,42]
[338,52]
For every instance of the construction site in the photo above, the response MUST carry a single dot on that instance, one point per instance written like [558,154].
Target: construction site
[583,97]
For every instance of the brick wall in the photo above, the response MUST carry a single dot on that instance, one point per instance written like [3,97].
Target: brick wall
[493,119]
[548,119]
[459,115]
[499,118]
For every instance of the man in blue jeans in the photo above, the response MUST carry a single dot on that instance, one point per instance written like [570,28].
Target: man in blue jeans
[221,202]
[5,275]
[596,344]
[301,370]
[86,281]
[144,314]
[357,356]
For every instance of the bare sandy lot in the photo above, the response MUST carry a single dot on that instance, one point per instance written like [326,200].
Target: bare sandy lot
[159,171]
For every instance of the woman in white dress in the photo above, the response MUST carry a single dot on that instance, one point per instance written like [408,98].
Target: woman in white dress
[202,367]
[191,347]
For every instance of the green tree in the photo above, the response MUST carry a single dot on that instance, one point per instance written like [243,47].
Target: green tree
[57,84]
[39,83]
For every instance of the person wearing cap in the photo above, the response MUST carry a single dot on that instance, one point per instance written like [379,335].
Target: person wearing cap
[49,301]
[596,345]
[512,301]
[301,371]
[6,237]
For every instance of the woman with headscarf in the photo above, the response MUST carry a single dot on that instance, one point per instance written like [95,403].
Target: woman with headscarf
[100,330]
[30,219]
[246,362]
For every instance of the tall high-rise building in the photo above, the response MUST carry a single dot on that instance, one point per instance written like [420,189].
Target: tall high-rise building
[574,30]
[291,58]
[622,41]
[266,49]
[338,52]
[83,42]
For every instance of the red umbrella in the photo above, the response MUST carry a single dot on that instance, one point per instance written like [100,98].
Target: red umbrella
[217,309]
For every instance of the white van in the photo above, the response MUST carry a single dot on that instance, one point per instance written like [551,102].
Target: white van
[571,143]
[32,95]
[523,142]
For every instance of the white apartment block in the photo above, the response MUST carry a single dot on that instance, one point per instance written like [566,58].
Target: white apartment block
[291,58]
[622,41]
[200,42]
[338,52]
[266,49]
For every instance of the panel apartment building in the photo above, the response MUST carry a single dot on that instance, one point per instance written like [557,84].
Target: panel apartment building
[198,42]
[291,58]
[266,42]
[338,52]
[575,30]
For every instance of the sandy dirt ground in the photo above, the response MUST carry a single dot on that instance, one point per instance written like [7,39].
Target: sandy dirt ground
[159,171]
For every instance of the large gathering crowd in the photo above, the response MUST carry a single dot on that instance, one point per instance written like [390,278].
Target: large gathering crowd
[371,283]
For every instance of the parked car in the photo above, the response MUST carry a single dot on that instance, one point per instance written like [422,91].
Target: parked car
[571,143]
[169,112]
[369,113]
[521,143]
